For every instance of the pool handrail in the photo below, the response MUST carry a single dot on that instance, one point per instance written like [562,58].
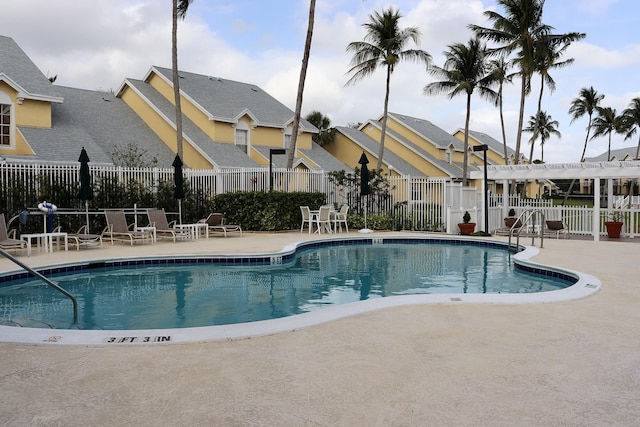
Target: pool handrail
[46,280]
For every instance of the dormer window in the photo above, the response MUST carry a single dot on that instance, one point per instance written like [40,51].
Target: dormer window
[5,125]
[242,136]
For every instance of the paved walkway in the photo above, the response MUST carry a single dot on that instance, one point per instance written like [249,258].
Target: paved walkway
[573,363]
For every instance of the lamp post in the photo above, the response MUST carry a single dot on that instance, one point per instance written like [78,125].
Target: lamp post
[484,148]
[273,151]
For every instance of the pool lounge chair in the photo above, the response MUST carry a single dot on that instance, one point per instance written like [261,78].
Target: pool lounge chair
[118,230]
[7,243]
[511,227]
[215,221]
[158,219]
[556,229]
[82,238]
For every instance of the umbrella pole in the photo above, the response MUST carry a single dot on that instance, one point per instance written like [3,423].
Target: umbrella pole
[86,205]
[180,210]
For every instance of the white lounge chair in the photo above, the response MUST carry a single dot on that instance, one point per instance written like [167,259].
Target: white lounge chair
[215,221]
[117,229]
[164,228]
[7,243]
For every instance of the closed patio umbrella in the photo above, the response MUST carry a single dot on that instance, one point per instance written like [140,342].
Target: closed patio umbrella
[365,189]
[86,190]
[178,180]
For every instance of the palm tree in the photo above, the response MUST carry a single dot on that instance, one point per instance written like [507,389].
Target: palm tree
[548,52]
[606,122]
[631,122]
[586,103]
[465,70]
[303,75]
[179,11]
[544,127]
[384,45]
[518,30]
[499,68]
[326,134]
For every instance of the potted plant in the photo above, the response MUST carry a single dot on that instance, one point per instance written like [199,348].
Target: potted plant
[614,225]
[466,226]
[510,219]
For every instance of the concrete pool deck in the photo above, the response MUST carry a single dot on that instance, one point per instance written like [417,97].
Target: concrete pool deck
[573,363]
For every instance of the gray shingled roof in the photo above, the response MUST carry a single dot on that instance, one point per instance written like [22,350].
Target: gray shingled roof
[87,119]
[17,66]
[317,154]
[221,154]
[493,143]
[227,100]
[372,146]
[429,131]
[617,154]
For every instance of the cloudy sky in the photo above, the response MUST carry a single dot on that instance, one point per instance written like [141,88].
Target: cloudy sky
[97,44]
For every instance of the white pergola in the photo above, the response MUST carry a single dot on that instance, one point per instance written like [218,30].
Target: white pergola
[628,169]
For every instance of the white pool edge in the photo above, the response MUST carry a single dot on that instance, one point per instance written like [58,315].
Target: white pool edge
[586,285]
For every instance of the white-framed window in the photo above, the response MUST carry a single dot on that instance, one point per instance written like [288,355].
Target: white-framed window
[447,156]
[7,121]
[5,125]
[287,137]
[242,136]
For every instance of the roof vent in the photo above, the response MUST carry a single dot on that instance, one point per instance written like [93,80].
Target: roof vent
[106,98]
[181,75]
[254,89]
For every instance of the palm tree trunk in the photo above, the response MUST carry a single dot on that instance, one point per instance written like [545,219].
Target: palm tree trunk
[609,149]
[176,79]
[638,150]
[465,167]
[384,120]
[584,150]
[523,94]
[536,130]
[303,75]
[504,133]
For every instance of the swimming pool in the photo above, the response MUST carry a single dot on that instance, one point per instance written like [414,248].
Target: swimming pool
[189,293]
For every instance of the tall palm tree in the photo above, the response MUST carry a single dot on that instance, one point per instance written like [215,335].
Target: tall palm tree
[606,122]
[586,103]
[303,76]
[465,70]
[384,45]
[326,134]
[548,51]
[500,70]
[542,127]
[518,30]
[631,122]
[179,11]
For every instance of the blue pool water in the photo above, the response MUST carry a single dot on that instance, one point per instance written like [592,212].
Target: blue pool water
[203,292]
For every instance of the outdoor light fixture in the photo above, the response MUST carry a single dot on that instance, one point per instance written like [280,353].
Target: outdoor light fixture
[273,151]
[484,148]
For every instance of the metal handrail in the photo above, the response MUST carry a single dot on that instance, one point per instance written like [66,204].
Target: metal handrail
[46,280]
[524,219]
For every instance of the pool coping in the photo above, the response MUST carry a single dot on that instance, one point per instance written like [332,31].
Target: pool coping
[584,286]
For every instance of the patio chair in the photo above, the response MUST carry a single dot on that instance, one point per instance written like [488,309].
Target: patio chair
[164,228]
[556,229]
[8,243]
[82,238]
[215,221]
[511,227]
[306,217]
[118,229]
[324,219]
[340,218]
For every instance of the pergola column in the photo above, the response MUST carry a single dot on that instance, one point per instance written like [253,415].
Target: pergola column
[596,209]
